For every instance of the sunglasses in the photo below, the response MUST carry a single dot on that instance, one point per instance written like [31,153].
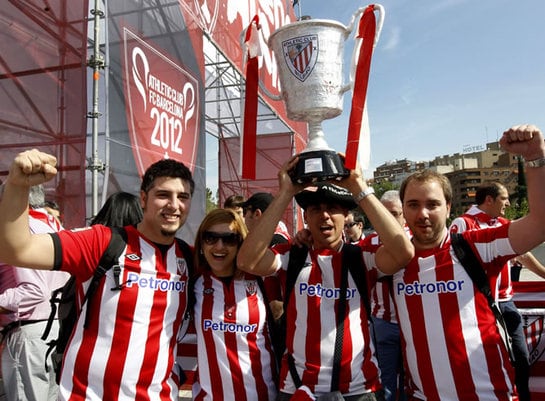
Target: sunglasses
[228,239]
[350,225]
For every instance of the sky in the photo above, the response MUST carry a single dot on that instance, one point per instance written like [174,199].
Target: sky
[446,75]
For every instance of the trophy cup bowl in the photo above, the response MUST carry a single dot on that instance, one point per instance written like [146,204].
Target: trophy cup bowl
[309,55]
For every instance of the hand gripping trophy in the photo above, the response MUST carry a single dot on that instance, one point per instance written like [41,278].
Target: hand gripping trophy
[309,55]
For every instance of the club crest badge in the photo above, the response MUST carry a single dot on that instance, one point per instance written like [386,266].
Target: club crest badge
[535,338]
[300,54]
[181,266]
[251,287]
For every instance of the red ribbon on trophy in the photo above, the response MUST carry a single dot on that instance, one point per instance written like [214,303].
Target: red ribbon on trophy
[252,51]
[366,32]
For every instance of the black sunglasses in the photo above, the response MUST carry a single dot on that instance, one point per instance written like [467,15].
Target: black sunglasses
[229,239]
[351,224]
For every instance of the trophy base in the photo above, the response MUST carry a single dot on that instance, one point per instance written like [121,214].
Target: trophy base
[318,165]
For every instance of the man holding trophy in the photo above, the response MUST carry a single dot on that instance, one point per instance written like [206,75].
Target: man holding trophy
[329,353]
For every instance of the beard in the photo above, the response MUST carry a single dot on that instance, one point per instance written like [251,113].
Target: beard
[169,233]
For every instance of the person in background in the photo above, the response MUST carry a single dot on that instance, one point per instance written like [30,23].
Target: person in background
[128,351]
[235,356]
[311,314]
[53,209]
[353,226]
[492,199]
[386,333]
[254,208]
[120,209]
[235,202]
[449,332]
[27,369]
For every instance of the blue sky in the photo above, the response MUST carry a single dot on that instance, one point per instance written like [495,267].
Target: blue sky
[445,74]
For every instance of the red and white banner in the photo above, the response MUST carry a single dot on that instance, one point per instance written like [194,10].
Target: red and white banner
[162,104]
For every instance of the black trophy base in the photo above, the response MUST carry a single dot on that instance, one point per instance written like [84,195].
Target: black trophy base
[318,165]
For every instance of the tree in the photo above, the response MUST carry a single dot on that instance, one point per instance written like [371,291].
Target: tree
[211,202]
[519,206]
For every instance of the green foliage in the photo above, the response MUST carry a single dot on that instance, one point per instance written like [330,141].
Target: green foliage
[211,202]
[383,187]
[517,209]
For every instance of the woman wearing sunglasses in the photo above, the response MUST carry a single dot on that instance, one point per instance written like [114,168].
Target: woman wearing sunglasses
[235,355]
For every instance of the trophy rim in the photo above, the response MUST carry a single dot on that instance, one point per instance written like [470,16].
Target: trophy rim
[322,22]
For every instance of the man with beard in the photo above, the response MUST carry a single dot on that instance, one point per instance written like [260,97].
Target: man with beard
[449,331]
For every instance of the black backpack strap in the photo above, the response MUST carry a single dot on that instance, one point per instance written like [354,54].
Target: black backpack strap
[53,301]
[296,262]
[474,269]
[339,334]
[353,259]
[108,260]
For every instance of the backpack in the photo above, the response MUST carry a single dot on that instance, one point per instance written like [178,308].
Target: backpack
[63,299]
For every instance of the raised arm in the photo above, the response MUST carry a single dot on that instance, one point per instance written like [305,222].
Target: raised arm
[254,256]
[527,140]
[397,249]
[19,246]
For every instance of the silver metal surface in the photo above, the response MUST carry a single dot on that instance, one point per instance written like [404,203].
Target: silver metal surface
[309,55]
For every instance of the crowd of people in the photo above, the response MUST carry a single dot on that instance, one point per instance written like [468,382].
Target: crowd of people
[326,313]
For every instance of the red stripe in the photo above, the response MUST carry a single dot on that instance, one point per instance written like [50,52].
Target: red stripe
[422,348]
[249,133]
[257,367]
[457,354]
[367,28]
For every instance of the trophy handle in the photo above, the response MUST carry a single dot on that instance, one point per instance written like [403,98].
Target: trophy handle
[354,63]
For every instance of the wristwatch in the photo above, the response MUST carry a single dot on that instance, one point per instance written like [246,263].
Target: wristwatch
[364,194]
[535,163]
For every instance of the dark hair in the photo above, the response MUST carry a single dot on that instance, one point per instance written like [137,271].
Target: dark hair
[167,168]
[234,201]
[490,188]
[425,176]
[216,216]
[358,216]
[121,209]
[52,205]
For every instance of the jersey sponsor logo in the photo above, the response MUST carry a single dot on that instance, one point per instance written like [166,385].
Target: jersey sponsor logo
[316,290]
[438,287]
[155,284]
[209,324]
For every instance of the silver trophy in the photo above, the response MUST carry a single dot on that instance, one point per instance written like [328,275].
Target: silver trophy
[310,54]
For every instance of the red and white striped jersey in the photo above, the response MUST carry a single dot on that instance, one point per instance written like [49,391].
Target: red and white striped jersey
[452,347]
[311,326]
[475,219]
[128,350]
[235,358]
